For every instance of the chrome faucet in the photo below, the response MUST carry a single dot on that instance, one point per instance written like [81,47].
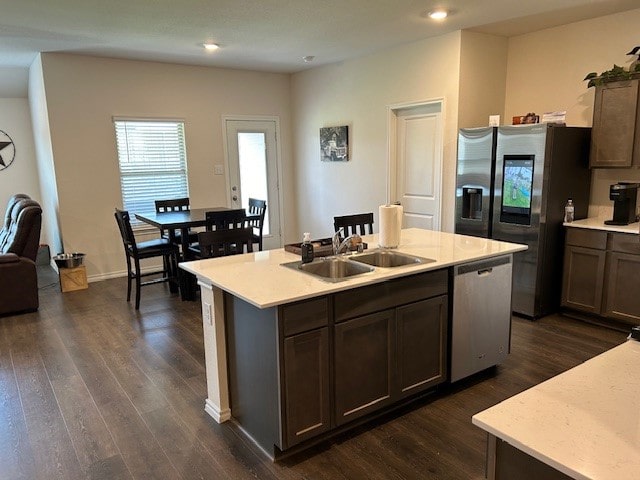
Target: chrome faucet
[350,240]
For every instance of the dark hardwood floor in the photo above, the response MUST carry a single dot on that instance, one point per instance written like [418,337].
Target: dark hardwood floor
[90,388]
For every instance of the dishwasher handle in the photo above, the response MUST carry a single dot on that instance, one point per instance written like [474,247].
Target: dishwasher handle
[482,266]
[485,271]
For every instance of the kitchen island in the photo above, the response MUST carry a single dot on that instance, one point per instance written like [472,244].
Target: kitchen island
[581,424]
[301,357]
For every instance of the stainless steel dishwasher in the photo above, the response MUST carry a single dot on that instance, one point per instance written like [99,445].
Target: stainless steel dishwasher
[481,321]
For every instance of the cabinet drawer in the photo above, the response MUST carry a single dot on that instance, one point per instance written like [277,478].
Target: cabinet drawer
[582,237]
[304,316]
[393,293]
[624,243]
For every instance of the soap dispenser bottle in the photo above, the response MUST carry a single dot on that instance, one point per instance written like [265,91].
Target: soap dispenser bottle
[306,248]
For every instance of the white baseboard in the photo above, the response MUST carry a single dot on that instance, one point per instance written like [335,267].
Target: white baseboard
[218,415]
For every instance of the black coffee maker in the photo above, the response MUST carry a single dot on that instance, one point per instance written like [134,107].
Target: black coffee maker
[624,196]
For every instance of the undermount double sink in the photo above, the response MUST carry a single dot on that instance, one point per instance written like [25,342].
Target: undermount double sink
[338,268]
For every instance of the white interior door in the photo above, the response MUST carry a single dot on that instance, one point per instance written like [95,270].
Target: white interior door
[416,179]
[252,160]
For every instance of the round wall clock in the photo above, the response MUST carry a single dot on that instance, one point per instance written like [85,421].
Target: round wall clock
[7,150]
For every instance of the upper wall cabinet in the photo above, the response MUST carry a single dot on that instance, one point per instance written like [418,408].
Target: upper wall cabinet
[615,138]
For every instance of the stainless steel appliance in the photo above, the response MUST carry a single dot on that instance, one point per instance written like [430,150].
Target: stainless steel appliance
[624,196]
[526,173]
[481,328]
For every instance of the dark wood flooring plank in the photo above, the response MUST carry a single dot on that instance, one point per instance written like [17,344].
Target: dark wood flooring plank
[187,452]
[90,436]
[53,452]
[15,448]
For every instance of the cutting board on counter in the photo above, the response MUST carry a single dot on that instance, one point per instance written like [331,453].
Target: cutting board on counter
[321,248]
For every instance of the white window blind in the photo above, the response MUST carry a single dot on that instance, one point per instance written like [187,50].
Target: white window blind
[153,164]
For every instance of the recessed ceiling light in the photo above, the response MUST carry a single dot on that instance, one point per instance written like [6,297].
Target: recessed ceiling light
[210,46]
[308,58]
[438,14]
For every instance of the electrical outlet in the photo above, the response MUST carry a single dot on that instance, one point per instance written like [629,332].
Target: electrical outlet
[218,170]
[206,313]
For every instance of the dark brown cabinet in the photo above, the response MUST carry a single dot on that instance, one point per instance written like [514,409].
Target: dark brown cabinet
[363,365]
[600,272]
[583,273]
[306,386]
[306,391]
[398,350]
[615,136]
[421,345]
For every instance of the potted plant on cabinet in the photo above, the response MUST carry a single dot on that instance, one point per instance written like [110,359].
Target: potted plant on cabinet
[616,73]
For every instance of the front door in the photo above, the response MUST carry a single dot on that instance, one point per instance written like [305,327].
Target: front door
[252,159]
[416,163]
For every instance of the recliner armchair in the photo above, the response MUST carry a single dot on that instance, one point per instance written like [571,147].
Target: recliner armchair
[19,242]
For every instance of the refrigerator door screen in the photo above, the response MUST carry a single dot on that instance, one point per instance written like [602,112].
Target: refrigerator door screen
[517,185]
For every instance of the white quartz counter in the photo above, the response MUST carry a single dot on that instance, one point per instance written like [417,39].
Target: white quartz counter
[260,279]
[597,223]
[584,422]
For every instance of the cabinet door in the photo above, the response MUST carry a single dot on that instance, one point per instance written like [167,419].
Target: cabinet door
[363,365]
[614,124]
[583,274]
[306,385]
[622,300]
[421,345]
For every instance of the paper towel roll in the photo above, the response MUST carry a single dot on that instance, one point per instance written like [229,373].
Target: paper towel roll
[390,225]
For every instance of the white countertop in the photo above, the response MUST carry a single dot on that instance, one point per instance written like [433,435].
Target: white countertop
[597,223]
[259,279]
[584,422]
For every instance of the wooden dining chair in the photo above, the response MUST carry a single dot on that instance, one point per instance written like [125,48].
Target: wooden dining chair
[175,205]
[136,251]
[226,219]
[218,220]
[218,243]
[361,223]
[257,211]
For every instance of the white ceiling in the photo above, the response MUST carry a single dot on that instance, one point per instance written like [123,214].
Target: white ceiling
[267,35]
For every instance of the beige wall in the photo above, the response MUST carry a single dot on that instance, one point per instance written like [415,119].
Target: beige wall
[357,93]
[545,71]
[483,72]
[22,175]
[84,93]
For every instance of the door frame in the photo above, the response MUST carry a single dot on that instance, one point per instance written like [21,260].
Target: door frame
[392,147]
[225,149]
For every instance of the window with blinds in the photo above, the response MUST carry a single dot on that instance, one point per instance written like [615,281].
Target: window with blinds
[153,163]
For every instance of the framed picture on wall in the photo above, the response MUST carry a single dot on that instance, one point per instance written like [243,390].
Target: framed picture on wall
[334,144]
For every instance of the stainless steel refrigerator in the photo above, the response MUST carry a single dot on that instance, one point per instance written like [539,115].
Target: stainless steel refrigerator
[512,185]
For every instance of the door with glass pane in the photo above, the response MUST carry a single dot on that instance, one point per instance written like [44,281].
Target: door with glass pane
[252,161]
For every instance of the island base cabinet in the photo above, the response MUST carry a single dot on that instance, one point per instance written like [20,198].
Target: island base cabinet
[421,337]
[386,356]
[363,365]
[307,394]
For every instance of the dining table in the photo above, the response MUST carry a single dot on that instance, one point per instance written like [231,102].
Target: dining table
[182,220]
